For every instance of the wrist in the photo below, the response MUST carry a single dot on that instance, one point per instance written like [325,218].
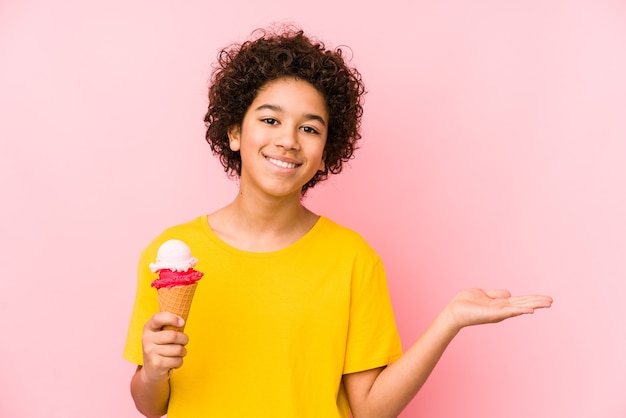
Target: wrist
[448,320]
[153,379]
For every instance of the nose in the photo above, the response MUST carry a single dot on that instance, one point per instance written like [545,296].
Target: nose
[287,138]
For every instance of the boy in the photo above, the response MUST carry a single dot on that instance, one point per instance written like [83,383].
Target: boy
[293,317]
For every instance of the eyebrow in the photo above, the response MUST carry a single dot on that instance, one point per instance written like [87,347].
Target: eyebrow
[276,108]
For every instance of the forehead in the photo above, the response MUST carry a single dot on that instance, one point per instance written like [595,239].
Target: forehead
[291,94]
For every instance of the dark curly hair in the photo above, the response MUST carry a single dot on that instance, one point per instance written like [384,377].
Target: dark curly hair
[243,69]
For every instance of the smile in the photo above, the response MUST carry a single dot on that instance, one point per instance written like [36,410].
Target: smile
[282,164]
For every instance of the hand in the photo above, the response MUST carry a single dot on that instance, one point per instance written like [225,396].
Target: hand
[163,350]
[477,306]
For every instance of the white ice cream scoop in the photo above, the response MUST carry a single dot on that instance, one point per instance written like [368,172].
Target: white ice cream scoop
[174,255]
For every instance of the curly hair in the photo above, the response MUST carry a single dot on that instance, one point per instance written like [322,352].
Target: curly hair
[243,69]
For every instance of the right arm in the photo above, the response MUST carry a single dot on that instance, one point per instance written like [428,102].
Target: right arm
[163,351]
[385,391]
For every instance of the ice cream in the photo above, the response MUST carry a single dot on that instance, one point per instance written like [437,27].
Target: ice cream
[177,280]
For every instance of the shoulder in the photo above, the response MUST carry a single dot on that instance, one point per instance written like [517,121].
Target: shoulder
[329,226]
[192,232]
[344,238]
[188,229]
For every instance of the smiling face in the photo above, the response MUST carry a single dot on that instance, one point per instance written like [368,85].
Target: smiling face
[281,138]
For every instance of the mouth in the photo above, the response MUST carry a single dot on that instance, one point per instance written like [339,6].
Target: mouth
[281,164]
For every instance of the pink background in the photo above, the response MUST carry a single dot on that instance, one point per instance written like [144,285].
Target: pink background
[493,155]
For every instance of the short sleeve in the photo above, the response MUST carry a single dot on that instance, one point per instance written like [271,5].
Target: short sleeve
[146,304]
[373,339]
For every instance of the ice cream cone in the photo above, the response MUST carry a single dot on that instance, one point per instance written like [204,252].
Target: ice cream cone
[177,300]
[177,280]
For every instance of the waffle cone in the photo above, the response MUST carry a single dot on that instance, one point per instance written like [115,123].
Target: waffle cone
[177,300]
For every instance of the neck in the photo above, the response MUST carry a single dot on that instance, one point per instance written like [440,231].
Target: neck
[262,224]
[267,214]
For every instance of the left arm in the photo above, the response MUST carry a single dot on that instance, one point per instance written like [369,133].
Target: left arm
[386,391]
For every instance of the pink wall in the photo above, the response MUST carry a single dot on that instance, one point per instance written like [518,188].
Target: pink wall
[494,156]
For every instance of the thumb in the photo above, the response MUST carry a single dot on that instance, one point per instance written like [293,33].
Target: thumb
[498,293]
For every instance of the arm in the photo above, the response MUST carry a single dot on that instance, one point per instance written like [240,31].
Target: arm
[163,351]
[385,392]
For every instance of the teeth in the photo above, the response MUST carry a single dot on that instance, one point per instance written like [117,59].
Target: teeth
[282,164]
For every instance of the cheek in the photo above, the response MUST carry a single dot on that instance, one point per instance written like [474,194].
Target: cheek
[317,152]
[320,157]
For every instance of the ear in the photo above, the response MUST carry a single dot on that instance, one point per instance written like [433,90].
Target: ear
[322,166]
[234,135]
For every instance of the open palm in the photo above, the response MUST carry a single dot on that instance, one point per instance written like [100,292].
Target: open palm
[478,306]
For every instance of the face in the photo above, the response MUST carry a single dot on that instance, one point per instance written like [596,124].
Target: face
[282,137]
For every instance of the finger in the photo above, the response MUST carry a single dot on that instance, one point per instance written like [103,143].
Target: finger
[161,319]
[172,350]
[158,366]
[165,337]
[160,369]
[511,311]
[534,301]
[162,357]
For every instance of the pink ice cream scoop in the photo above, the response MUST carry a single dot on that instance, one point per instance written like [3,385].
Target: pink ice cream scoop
[177,280]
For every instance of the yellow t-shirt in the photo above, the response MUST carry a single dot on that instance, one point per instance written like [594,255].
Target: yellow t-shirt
[271,334]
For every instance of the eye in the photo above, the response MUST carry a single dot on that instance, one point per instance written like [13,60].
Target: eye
[269,121]
[309,130]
